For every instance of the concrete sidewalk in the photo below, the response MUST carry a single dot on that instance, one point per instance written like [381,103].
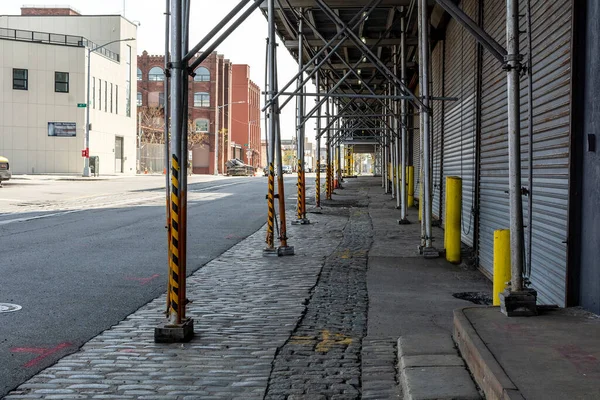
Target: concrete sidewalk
[356,313]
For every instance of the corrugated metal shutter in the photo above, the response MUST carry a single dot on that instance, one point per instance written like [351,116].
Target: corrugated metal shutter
[417,152]
[552,31]
[437,72]
[459,116]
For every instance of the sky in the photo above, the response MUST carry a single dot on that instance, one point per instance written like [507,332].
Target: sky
[246,45]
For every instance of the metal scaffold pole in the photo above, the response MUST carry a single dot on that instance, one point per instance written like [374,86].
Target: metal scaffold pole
[392,146]
[167,153]
[404,109]
[300,132]
[328,184]
[385,169]
[517,300]
[397,174]
[428,251]
[178,328]
[318,163]
[270,130]
[283,249]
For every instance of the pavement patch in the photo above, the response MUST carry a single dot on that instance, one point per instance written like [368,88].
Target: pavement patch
[322,358]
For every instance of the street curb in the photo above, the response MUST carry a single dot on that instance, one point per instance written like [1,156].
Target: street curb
[430,368]
[487,372]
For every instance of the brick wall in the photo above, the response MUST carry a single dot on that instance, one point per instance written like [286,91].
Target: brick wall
[48,11]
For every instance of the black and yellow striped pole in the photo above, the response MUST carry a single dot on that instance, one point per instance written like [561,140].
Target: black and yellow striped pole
[318,163]
[328,180]
[178,328]
[271,209]
[274,134]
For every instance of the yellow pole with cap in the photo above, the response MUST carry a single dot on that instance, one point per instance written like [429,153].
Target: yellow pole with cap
[452,218]
[501,263]
[410,182]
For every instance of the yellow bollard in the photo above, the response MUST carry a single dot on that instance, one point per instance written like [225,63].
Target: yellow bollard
[452,218]
[410,183]
[501,263]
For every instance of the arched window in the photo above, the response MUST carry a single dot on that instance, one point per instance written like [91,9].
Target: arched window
[139,74]
[202,75]
[201,125]
[156,74]
[201,99]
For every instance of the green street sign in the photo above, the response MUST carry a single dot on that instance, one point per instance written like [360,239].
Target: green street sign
[245,144]
[81,105]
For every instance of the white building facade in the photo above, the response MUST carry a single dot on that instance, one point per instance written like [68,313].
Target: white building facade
[43,93]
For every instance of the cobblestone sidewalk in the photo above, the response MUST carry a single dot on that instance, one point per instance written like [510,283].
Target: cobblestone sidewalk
[246,309]
[276,328]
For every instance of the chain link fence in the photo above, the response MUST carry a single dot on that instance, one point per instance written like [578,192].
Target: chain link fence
[151,158]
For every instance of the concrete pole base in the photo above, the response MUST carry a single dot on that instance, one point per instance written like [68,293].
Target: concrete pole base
[519,304]
[303,221]
[403,222]
[285,251]
[270,252]
[175,333]
[86,172]
[430,253]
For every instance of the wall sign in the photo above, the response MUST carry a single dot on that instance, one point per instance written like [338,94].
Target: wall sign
[62,129]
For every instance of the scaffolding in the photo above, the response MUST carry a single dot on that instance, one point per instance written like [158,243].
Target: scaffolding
[359,54]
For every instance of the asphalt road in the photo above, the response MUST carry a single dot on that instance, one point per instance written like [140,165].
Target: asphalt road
[77,270]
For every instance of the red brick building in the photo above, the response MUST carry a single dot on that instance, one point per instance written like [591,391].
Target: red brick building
[209,95]
[48,10]
[245,108]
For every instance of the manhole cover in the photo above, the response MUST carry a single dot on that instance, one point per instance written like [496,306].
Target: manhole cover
[6,307]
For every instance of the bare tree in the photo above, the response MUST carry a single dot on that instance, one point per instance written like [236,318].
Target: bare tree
[152,125]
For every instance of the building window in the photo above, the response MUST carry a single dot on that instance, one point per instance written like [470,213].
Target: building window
[156,74]
[128,84]
[61,82]
[94,93]
[139,99]
[202,75]
[201,99]
[111,98]
[105,96]
[161,99]
[202,125]
[139,74]
[100,94]
[116,99]
[20,79]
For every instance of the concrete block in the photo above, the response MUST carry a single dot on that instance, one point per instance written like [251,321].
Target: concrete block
[419,345]
[438,383]
[444,360]
[175,333]
[518,304]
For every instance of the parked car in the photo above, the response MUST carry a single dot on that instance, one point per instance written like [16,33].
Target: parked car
[287,169]
[5,173]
